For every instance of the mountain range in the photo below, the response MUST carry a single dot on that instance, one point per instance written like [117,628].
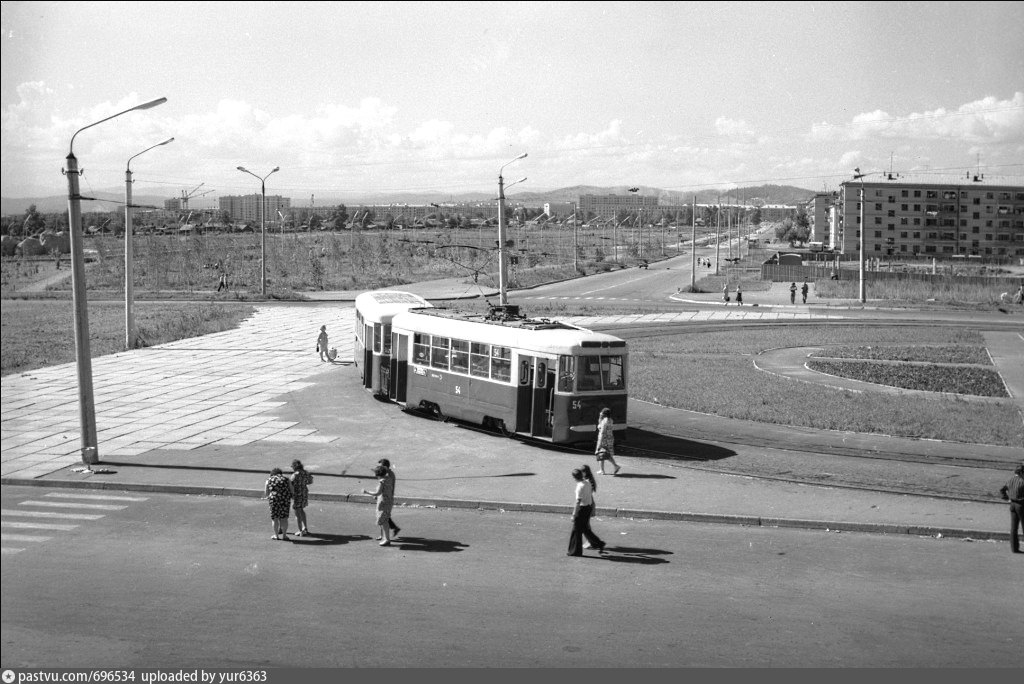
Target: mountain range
[106,201]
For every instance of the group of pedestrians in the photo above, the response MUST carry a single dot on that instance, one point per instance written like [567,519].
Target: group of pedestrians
[286,494]
[803,292]
[739,294]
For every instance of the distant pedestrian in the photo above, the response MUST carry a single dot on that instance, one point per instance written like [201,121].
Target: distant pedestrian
[321,344]
[278,491]
[605,449]
[739,296]
[582,511]
[803,291]
[1013,491]
[1018,297]
[385,495]
[792,293]
[395,529]
[223,284]
[301,480]
[725,293]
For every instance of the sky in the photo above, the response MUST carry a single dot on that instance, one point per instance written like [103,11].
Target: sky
[352,99]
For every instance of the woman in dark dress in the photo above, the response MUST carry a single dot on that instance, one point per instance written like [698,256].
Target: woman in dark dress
[278,491]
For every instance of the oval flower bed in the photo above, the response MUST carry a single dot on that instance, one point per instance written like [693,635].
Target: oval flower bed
[954,353]
[928,378]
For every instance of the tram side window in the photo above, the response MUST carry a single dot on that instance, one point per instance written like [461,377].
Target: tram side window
[460,356]
[566,373]
[480,360]
[359,327]
[386,342]
[501,363]
[376,337]
[439,352]
[420,348]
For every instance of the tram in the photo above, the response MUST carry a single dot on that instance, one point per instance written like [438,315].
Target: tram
[533,378]
[374,311]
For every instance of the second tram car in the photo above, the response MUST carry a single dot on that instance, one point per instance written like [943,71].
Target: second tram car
[374,311]
[533,378]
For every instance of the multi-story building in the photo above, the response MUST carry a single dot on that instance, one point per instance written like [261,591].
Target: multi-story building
[607,206]
[247,207]
[817,209]
[903,215]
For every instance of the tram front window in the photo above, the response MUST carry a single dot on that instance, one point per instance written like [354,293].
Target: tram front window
[600,373]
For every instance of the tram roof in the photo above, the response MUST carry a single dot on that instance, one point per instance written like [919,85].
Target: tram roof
[380,306]
[522,333]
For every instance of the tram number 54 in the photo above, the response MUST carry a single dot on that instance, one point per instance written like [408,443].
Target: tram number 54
[458,389]
[577,404]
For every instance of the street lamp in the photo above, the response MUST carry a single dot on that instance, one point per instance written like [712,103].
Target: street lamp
[83,355]
[263,225]
[502,267]
[130,338]
[862,292]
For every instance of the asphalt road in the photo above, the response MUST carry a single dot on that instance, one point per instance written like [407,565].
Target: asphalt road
[159,580]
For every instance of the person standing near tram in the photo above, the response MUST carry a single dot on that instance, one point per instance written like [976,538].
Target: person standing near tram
[605,450]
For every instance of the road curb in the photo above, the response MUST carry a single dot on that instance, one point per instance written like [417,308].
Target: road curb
[632,513]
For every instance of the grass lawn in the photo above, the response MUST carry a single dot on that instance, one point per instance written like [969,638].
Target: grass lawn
[37,333]
[713,372]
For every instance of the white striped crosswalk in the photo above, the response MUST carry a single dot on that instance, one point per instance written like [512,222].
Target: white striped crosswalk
[19,522]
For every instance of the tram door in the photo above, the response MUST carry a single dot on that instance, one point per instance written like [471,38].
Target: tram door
[368,356]
[399,366]
[536,392]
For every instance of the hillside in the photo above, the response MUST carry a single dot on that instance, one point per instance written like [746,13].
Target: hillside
[111,201]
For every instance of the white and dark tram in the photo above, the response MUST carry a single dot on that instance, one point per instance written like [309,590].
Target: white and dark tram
[374,311]
[534,378]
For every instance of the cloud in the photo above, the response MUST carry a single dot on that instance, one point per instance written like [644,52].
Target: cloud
[985,121]
[736,129]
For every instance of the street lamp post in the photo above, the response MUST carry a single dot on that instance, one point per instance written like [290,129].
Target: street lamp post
[862,292]
[83,355]
[502,267]
[130,338]
[263,225]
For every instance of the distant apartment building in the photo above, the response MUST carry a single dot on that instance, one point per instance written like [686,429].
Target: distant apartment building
[172,204]
[903,215]
[607,206]
[817,209]
[247,207]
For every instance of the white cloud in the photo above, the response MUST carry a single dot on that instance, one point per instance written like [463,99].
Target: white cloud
[988,120]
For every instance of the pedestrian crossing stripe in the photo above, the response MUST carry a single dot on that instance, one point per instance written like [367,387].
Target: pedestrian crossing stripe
[98,497]
[22,538]
[71,504]
[51,515]
[36,526]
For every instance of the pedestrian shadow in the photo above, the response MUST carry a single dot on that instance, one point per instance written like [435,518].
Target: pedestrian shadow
[669,447]
[325,539]
[432,545]
[639,556]
[644,476]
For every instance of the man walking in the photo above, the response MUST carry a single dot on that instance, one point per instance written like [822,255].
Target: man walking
[803,291]
[1013,491]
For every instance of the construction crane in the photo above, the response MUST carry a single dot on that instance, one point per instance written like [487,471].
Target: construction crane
[186,196]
